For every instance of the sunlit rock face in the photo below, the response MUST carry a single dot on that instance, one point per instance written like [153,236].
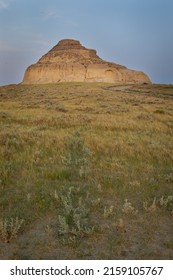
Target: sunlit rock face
[69,61]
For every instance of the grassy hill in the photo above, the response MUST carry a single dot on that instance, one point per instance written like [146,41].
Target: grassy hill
[86,171]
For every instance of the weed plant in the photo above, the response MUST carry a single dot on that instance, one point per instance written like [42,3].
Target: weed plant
[74,219]
[77,156]
[9,228]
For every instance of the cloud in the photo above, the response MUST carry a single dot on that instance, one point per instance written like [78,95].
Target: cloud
[62,17]
[4,4]
[4,46]
[14,47]
[8,46]
[51,14]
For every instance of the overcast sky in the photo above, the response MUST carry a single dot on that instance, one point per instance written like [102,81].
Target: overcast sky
[134,33]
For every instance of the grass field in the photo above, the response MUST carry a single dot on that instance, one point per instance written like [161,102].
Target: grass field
[86,171]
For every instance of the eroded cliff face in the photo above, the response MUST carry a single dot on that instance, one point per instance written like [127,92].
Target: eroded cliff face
[70,61]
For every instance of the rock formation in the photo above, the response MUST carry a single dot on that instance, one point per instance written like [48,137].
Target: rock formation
[70,61]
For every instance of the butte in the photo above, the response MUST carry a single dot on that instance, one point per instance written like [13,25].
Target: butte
[69,61]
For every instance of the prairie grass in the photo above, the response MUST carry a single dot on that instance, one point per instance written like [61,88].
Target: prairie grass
[112,147]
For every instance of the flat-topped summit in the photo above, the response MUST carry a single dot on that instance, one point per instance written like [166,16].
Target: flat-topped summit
[67,51]
[69,44]
[70,61]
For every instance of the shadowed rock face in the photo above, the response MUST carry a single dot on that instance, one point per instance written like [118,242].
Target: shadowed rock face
[70,61]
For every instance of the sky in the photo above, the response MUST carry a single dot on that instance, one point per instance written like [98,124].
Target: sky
[135,33]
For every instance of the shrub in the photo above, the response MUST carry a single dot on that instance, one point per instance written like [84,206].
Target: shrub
[128,208]
[108,211]
[166,202]
[77,155]
[150,208]
[163,202]
[74,219]
[9,228]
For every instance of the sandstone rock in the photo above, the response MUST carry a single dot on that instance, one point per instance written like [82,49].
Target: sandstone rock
[70,61]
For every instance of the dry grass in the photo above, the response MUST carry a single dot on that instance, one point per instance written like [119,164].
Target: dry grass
[125,141]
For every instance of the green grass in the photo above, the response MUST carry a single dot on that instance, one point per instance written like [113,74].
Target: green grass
[109,146]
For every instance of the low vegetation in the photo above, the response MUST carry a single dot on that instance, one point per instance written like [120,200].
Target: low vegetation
[86,171]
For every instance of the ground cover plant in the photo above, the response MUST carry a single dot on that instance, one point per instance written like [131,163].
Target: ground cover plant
[86,171]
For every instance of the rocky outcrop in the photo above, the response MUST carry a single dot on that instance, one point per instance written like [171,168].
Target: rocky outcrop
[70,61]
